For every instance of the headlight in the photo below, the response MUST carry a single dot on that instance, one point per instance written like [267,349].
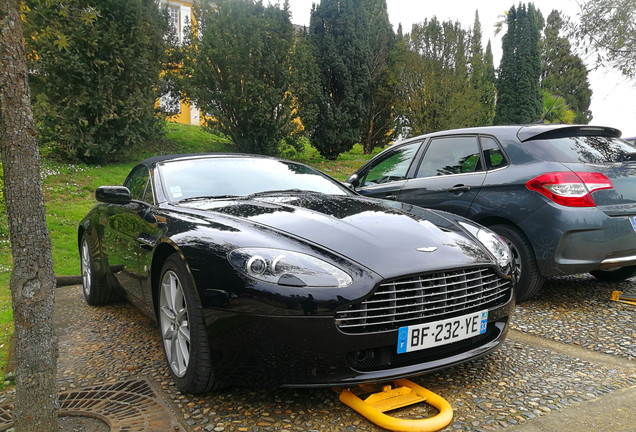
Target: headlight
[494,244]
[287,268]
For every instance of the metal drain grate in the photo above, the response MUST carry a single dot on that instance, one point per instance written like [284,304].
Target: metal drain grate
[125,406]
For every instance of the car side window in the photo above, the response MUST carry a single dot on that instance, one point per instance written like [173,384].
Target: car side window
[138,182]
[392,167]
[450,155]
[493,155]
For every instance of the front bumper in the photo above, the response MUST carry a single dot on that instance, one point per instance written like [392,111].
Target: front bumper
[311,351]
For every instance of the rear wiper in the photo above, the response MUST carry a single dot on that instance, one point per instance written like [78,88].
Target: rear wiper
[208,197]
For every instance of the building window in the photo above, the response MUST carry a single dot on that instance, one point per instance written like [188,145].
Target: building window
[174,18]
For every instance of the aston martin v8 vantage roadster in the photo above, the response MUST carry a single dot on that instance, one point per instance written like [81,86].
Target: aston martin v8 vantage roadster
[261,270]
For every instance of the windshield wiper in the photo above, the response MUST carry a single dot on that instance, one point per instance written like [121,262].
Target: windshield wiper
[254,195]
[282,192]
[208,197]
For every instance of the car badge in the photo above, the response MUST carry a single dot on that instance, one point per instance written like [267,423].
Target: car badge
[427,249]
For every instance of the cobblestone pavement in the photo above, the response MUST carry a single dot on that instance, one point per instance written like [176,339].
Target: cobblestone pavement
[569,345]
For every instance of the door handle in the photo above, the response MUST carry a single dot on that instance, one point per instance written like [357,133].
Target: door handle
[146,241]
[391,197]
[459,188]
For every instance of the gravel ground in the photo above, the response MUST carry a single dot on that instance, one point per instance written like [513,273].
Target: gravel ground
[589,353]
[576,310]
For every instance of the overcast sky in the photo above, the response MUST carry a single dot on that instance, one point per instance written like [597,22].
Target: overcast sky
[613,98]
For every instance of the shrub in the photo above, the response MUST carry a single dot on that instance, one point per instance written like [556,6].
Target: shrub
[95,74]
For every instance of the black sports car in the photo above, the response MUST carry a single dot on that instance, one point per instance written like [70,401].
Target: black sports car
[261,270]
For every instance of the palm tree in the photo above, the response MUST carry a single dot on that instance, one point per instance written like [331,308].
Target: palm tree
[555,110]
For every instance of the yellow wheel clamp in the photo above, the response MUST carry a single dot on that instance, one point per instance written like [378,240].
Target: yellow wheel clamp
[617,296]
[404,393]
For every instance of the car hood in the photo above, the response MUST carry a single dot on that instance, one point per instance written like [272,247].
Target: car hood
[390,238]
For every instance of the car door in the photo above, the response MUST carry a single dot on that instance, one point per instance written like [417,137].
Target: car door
[385,176]
[449,175]
[124,234]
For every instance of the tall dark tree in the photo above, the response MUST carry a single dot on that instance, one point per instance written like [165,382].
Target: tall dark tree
[518,84]
[306,87]
[481,78]
[378,125]
[32,278]
[95,82]
[490,64]
[563,72]
[238,72]
[339,30]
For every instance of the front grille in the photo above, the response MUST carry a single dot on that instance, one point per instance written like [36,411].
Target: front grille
[425,298]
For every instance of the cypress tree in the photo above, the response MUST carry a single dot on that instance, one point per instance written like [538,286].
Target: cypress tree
[563,73]
[490,64]
[476,55]
[518,85]
[305,82]
[378,125]
[482,77]
[339,30]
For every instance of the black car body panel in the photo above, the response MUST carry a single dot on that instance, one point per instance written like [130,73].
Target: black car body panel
[284,333]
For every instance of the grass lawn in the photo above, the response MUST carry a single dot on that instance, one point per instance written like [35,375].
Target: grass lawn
[69,195]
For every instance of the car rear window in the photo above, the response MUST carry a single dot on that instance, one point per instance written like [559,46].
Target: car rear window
[582,149]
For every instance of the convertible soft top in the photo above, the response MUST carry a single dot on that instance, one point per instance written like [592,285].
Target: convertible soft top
[152,161]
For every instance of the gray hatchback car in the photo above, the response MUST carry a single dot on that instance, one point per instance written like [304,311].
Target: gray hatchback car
[562,196]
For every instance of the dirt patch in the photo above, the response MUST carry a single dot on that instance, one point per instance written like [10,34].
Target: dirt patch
[81,424]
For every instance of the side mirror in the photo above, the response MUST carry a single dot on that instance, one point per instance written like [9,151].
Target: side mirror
[353,180]
[113,194]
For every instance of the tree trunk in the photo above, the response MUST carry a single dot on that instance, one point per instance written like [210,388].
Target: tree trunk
[32,279]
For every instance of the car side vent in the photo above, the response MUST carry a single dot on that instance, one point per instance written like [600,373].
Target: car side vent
[425,298]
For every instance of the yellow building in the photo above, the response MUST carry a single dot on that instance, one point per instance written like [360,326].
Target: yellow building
[180,13]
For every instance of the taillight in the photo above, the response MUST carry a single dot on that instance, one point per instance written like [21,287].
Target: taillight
[572,189]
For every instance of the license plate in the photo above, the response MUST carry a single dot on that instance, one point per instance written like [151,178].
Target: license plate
[633,221]
[422,336]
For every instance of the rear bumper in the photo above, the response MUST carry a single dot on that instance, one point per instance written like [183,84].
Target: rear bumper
[579,240]
[618,262]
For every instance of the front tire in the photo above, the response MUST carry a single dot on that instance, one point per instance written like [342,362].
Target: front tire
[617,275]
[185,340]
[95,291]
[530,279]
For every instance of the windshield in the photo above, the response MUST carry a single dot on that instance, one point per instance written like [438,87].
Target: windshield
[583,149]
[241,176]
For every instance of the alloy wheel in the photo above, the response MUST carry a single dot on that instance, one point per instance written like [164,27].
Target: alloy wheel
[173,320]
[86,268]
